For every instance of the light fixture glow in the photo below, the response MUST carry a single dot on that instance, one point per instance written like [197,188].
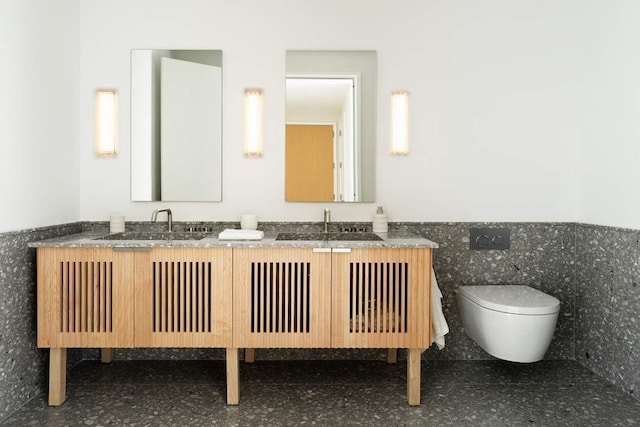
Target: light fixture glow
[106,138]
[253,122]
[400,123]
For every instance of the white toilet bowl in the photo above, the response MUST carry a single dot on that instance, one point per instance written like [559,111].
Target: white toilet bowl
[510,322]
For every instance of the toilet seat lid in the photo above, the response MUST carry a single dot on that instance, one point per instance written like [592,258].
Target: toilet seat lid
[516,299]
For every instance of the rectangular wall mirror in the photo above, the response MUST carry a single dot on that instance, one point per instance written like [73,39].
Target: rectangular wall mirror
[176,125]
[330,126]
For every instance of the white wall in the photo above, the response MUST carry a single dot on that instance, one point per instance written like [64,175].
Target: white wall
[610,150]
[39,158]
[496,96]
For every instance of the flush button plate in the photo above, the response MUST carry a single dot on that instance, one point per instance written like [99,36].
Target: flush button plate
[489,238]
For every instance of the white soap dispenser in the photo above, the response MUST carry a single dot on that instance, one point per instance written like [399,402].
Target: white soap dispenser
[380,221]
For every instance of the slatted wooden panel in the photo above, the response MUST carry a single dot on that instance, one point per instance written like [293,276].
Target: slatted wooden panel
[378,297]
[381,298]
[85,298]
[183,298]
[281,298]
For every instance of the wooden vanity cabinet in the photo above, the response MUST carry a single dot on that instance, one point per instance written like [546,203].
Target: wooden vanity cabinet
[269,297]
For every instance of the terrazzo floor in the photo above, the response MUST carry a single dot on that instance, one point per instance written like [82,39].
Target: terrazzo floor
[333,393]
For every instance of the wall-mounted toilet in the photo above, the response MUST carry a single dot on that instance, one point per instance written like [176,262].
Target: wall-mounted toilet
[510,322]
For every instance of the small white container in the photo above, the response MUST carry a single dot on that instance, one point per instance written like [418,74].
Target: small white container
[380,222]
[116,224]
[249,222]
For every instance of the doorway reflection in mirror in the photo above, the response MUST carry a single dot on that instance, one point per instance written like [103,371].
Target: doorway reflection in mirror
[330,126]
[321,140]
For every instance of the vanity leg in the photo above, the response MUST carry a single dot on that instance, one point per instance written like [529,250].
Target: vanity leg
[57,376]
[392,355]
[106,355]
[249,355]
[233,377]
[413,376]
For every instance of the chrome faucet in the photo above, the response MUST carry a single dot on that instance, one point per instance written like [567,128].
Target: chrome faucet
[327,219]
[154,217]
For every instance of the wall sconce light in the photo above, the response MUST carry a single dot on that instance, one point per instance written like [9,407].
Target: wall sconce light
[400,123]
[106,138]
[253,122]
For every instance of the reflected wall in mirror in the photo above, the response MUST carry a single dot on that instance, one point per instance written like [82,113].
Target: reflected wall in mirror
[330,126]
[176,125]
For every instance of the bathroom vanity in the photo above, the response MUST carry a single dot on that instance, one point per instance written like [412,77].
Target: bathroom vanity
[97,291]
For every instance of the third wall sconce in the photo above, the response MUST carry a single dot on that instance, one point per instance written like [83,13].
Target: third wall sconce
[400,123]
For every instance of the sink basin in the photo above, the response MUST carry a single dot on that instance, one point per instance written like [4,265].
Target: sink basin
[137,235]
[329,236]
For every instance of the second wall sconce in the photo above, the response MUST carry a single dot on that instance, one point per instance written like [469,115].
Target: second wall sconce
[106,136]
[400,123]
[253,122]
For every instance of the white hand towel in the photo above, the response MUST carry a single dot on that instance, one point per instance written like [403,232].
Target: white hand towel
[233,234]
[439,327]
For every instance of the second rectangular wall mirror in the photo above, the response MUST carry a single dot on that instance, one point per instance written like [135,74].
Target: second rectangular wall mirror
[330,126]
[176,125]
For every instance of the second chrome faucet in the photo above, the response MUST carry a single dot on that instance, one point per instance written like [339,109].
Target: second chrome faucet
[327,219]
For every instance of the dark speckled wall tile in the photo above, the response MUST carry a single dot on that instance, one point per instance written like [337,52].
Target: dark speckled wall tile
[260,354]
[594,275]
[626,311]
[608,303]
[168,354]
[22,365]
[542,236]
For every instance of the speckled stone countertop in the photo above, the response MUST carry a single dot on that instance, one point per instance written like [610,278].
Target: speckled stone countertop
[91,239]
